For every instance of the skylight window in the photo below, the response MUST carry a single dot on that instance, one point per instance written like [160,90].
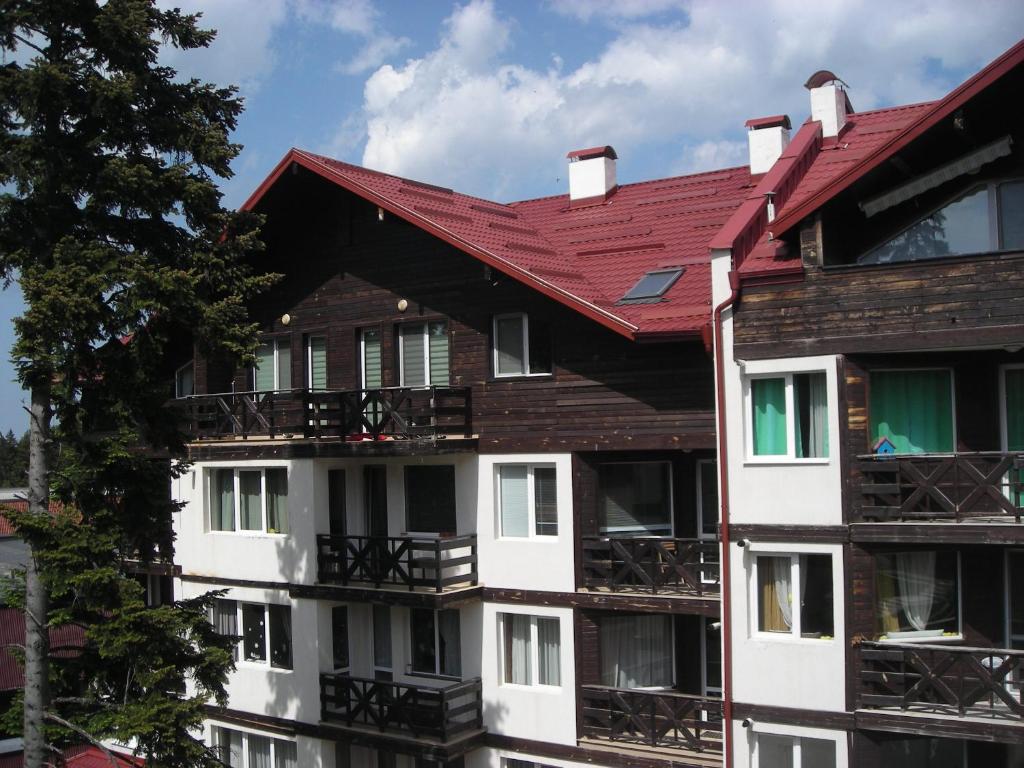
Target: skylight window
[652,285]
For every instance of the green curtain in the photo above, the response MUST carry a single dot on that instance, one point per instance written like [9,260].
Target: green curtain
[277,500]
[769,396]
[249,507]
[222,498]
[914,409]
[1014,388]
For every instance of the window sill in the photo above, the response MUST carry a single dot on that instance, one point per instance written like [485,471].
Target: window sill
[526,539]
[768,461]
[262,666]
[548,690]
[514,376]
[924,639]
[789,639]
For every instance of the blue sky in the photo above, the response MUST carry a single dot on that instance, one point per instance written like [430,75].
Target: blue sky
[488,96]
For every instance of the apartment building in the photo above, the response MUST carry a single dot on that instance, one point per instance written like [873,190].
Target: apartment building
[870,324]
[464,508]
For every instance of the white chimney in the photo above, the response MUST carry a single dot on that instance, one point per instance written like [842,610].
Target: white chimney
[591,174]
[767,138]
[829,102]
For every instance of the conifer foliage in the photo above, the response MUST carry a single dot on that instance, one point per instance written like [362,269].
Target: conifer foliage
[111,222]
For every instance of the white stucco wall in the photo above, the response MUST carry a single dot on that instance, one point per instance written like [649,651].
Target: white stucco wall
[745,742]
[537,562]
[493,758]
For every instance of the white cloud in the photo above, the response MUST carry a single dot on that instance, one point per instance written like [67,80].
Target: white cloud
[465,115]
[358,18]
[709,155]
[585,10]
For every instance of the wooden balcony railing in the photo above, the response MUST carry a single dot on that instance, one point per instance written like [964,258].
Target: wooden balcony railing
[948,680]
[650,564]
[438,713]
[953,486]
[408,561]
[368,414]
[660,719]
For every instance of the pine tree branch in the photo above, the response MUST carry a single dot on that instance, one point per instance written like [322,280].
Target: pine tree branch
[56,720]
[31,45]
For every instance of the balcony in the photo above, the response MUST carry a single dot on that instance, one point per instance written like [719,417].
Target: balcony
[947,487]
[650,565]
[952,681]
[434,564]
[652,719]
[394,413]
[439,714]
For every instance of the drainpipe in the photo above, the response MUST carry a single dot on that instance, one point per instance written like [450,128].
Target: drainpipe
[723,475]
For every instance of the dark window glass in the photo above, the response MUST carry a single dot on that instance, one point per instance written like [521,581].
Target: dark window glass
[545,501]
[653,284]
[424,651]
[339,636]
[635,498]
[539,346]
[254,632]
[1011,215]
[816,613]
[708,497]
[430,498]
[336,501]
[280,636]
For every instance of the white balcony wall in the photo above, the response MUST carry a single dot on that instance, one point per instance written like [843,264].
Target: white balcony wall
[534,562]
[539,712]
[249,555]
[495,758]
[745,742]
[778,670]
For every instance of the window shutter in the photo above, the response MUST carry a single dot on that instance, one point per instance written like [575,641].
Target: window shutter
[438,341]
[514,511]
[413,372]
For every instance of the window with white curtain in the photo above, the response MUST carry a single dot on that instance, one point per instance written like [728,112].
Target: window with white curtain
[527,500]
[636,651]
[241,749]
[918,594]
[787,416]
[775,751]
[266,631]
[273,369]
[530,649]
[794,595]
[250,500]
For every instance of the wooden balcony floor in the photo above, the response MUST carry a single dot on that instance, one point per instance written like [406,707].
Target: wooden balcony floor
[677,757]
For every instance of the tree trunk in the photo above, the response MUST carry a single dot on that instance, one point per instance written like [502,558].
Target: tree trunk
[37,639]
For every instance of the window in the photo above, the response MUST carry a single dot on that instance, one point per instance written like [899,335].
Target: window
[273,369]
[775,751]
[773,432]
[266,635]
[436,644]
[530,649]
[527,500]
[1015,601]
[249,500]
[240,749]
[185,380]
[423,354]
[339,637]
[382,642]
[707,498]
[316,362]
[913,409]
[635,498]
[1012,407]
[370,353]
[512,762]
[636,651]
[521,348]
[982,219]
[918,594]
[652,286]
[794,595]
[430,498]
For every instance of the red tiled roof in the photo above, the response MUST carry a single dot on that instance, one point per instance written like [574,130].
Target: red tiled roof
[7,527]
[78,757]
[12,632]
[586,256]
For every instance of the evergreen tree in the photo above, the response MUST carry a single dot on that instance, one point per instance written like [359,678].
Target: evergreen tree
[115,230]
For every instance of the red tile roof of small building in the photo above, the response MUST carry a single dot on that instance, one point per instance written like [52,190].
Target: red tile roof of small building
[63,640]
[588,256]
[7,527]
[78,757]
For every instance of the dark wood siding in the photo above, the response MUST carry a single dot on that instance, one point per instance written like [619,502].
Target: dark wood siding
[345,270]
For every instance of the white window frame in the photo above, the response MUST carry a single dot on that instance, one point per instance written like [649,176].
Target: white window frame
[531,501]
[794,633]
[789,457]
[928,635]
[240,623]
[534,652]
[796,738]
[952,393]
[273,738]
[705,622]
[264,518]
[177,379]
[671,497]
[276,342]
[425,325]
[437,647]
[526,348]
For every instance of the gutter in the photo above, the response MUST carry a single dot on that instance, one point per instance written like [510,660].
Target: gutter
[723,477]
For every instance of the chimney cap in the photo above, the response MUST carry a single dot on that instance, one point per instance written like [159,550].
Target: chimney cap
[755,123]
[592,152]
[821,77]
